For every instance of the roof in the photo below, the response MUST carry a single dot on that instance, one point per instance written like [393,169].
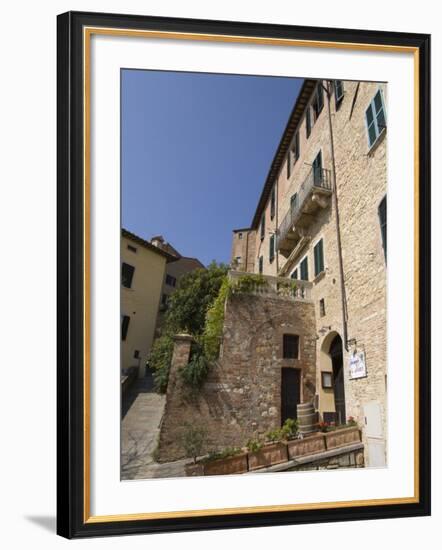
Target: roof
[148,245]
[287,136]
[194,260]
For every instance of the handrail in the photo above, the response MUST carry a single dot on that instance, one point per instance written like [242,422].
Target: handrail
[271,285]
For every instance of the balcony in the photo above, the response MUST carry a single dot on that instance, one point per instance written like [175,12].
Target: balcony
[314,193]
[268,285]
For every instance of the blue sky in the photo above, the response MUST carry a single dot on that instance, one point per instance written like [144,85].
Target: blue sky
[196,149]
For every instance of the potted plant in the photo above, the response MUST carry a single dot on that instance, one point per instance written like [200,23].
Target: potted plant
[232,460]
[273,451]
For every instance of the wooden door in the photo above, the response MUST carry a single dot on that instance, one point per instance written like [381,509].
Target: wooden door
[290,393]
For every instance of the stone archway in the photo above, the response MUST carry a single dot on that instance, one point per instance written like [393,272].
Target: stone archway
[332,396]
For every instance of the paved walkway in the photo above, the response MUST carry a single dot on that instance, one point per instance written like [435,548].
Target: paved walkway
[143,409]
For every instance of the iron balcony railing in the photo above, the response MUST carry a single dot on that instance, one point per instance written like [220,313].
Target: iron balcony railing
[317,179]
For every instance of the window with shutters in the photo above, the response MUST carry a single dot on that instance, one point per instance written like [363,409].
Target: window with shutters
[294,275]
[294,201]
[272,204]
[382,211]
[127,274]
[304,269]
[308,122]
[317,169]
[263,226]
[318,101]
[318,253]
[124,326]
[296,149]
[290,346]
[289,168]
[322,307]
[261,265]
[375,118]
[339,92]
[272,248]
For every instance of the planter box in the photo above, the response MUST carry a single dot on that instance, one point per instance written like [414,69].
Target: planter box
[343,437]
[307,446]
[223,466]
[274,453]
[194,469]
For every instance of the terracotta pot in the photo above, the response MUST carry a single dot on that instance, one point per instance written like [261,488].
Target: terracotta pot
[342,437]
[236,464]
[272,453]
[307,446]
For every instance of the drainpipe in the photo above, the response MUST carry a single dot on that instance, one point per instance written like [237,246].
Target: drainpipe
[338,229]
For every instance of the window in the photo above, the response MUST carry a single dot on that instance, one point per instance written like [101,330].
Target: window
[318,101]
[289,171]
[137,354]
[260,265]
[263,226]
[304,269]
[239,236]
[127,274]
[375,118]
[317,170]
[131,248]
[382,212]
[272,204]
[294,275]
[293,201]
[124,326]
[171,281]
[318,252]
[322,307]
[339,92]
[296,148]
[290,346]
[272,248]
[308,122]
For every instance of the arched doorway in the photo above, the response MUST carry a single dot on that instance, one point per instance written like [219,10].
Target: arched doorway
[335,352]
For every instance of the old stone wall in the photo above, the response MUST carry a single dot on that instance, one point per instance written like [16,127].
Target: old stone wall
[241,397]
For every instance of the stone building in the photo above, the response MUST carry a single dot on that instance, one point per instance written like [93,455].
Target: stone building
[321,218]
[173,274]
[319,230]
[142,274]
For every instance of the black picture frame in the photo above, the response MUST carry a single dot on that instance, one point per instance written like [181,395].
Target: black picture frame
[72,520]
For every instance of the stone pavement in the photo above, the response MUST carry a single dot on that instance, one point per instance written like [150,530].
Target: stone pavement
[143,409]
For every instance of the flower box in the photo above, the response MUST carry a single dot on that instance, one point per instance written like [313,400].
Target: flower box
[306,446]
[273,453]
[342,437]
[236,464]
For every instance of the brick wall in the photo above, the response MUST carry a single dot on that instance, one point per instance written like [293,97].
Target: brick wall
[241,398]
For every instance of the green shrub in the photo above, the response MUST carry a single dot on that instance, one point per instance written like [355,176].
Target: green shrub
[289,429]
[160,359]
[213,328]
[225,453]
[253,445]
[249,283]
[195,372]
[193,440]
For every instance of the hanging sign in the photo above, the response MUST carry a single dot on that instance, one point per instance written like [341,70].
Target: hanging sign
[357,365]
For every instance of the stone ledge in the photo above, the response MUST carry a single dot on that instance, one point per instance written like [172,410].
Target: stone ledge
[310,458]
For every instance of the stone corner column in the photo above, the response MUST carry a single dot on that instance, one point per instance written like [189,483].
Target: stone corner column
[180,356]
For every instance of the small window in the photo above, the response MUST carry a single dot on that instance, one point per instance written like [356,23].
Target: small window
[304,269]
[137,354]
[317,170]
[272,248]
[290,346]
[293,202]
[289,167]
[382,212]
[294,275]
[171,281]
[239,236]
[318,101]
[263,226]
[272,204]
[339,92]
[296,149]
[322,307]
[318,252]
[164,299]
[124,326]
[308,122]
[127,274]
[261,265]
[131,248]
[375,118]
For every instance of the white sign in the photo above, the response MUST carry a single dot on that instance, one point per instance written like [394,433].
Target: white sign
[357,366]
